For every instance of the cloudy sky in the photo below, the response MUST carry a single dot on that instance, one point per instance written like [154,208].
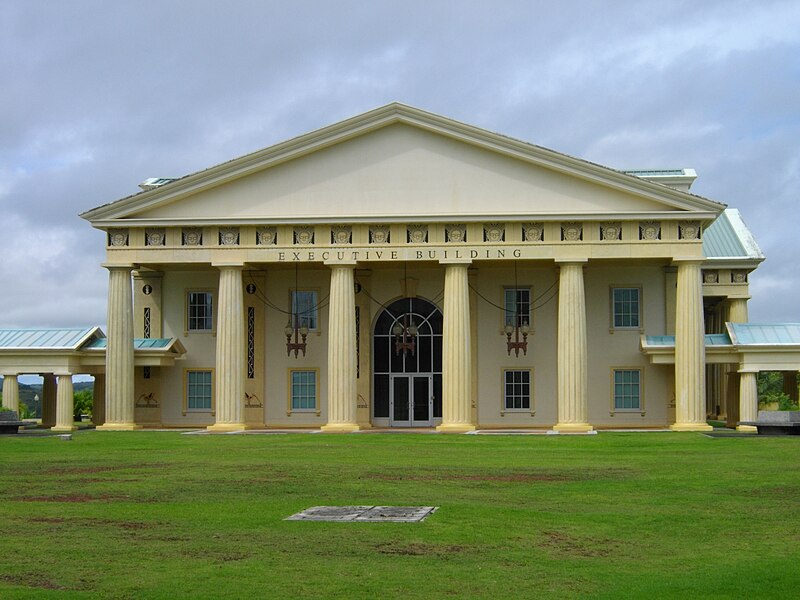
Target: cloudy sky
[96,96]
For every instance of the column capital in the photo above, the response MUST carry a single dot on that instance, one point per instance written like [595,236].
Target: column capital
[228,265]
[464,262]
[333,263]
[119,266]
[571,261]
[687,260]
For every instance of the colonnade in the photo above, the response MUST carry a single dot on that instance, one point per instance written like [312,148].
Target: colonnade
[457,365]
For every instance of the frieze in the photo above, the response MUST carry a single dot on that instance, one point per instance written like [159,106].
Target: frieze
[455,234]
[738,276]
[417,234]
[192,236]
[710,277]
[341,234]
[650,230]
[379,234]
[494,233]
[533,232]
[267,236]
[303,236]
[611,231]
[689,230]
[154,237]
[118,238]
[572,232]
[229,236]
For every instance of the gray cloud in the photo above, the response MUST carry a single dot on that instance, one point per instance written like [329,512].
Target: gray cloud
[97,96]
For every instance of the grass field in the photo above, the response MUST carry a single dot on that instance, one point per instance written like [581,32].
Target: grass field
[165,515]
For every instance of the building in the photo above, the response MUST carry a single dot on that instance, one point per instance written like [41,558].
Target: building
[403,269]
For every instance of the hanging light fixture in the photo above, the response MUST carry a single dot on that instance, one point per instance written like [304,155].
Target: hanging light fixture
[520,326]
[405,333]
[296,327]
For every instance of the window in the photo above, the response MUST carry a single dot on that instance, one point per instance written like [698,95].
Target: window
[200,311]
[627,389]
[625,307]
[517,389]
[199,389]
[304,390]
[304,308]
[518,306]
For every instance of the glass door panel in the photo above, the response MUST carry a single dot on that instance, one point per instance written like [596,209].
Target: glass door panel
[400,401]
[422,398]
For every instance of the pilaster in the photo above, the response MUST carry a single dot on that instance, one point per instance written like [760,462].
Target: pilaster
[99,400]
[690,400]
[456,354]
[748,400]
[119,352]
[342,383]
[573,395]
[11,392]
[737,312]
[64,404]
[230,365]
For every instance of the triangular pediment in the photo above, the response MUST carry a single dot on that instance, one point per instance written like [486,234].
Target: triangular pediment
[398,163]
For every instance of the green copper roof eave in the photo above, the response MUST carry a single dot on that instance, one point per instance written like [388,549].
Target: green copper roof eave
[728,238]
[668,341]
[764,334]
[53,338]
[138,344]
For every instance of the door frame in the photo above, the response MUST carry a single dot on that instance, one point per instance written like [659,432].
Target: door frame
[411,422]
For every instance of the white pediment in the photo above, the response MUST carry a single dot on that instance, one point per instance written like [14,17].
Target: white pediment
[404,169]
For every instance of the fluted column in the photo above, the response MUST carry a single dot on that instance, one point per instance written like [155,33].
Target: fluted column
[119,352]
[48,400]
[456,359]
[230,372]
[690,360]
[573,395]
[737,313]
[748,400]
[64,404]
[11,392]
[99,400]
[342,392]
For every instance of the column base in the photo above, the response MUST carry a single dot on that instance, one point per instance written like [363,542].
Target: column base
[455,428]
[747,428]
[118,427]
[339,428]
[226,427]
[691,427]
[572,428]
[63,429]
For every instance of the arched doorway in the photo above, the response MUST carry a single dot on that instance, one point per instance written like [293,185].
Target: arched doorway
[407,383]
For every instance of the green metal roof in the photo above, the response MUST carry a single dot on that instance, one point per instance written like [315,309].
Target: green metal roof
[729,237]
[668,341]
[656,172]
[138,343]
[770,334]
[46,338]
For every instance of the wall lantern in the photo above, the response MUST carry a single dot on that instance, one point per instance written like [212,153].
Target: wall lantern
[405,335]
[295,327]
[517,345]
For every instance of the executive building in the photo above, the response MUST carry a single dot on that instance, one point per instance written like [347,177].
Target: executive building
[401,269]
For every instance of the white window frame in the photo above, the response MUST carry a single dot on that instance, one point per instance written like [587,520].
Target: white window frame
[623,315]
[504,395]
[309,316]
[189,318]
[625,393]
[315,409]
[187,394]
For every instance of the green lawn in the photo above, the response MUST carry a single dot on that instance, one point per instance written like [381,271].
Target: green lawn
[149,514]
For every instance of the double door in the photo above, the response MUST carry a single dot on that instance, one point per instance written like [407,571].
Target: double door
[411,400]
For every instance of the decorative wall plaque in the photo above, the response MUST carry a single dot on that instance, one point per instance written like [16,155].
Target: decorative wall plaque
[494,232]
[341,234]
[304,235]
[611,231]
[454,234]
[379,234]
[229,236]
[710,277]
[650,230]
[572,232]
[192,236]
[689,230]
[154,237]
[417,234]
[739,277]
[533,232]
[266,236]
[118,237]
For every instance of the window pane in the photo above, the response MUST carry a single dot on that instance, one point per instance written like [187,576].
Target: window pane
[198,390]
[200,311]
[304,308]
[626,307]
[304,390]
[517,389]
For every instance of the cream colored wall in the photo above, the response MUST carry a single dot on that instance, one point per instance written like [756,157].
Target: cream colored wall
[614,348]
[200,347]
[492,351]
[400,171]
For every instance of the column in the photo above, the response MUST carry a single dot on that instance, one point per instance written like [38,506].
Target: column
[342,391]
[690,400]
[737,312]
[48,400]
[11,392]
[790,385]
[99,400]
[231,360]
[119,352]
[64,402]
[573,394]
[748,400]
[456,352]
